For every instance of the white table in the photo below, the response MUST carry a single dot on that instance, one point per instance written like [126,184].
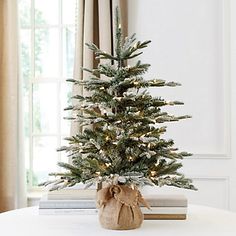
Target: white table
[202,221]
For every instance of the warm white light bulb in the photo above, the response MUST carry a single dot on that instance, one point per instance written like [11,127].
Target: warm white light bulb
[153,173]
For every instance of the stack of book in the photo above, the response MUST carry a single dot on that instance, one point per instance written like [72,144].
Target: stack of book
[165,207]
[69,201]
[83,202]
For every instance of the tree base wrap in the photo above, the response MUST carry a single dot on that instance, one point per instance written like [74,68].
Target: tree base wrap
[119,207]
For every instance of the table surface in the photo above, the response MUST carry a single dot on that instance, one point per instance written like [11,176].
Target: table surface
[201,221]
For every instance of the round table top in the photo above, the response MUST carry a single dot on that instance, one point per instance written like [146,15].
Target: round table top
[201,221]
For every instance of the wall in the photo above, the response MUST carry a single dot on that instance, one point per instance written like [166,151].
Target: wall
[193,43]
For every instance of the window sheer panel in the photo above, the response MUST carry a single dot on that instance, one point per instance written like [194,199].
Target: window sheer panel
[46,48]
[68,14]
[44,158]
[45,108]
[25,13]
[65,96]
[46,12]
[25,62]
[68,51]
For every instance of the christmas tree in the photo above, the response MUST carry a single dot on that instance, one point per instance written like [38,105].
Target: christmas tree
[120,141]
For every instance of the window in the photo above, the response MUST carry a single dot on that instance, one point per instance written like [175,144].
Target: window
[46,60]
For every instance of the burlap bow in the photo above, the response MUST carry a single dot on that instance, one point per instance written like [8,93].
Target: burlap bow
[119,205]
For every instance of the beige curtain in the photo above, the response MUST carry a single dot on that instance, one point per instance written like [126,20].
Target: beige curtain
[11,179]
[95,24]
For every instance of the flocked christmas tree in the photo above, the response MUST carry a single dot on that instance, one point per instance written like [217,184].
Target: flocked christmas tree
[122,125]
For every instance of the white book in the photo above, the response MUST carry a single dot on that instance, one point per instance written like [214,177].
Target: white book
[44,203]
[72,194]
[153,211]
[159,200]
[164,210]
[68,211]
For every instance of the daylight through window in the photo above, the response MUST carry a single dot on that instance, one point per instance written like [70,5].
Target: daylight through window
[46,60]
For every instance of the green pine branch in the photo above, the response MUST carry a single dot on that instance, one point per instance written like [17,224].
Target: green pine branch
[121,122]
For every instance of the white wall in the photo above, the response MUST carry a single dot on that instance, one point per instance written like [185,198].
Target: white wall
[193,43]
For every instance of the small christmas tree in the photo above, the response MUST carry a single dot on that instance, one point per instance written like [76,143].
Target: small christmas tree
[121,139]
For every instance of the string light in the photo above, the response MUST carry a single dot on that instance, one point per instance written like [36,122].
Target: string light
[117,98]
[108,164]
[153,173]
[107,138]
[130,158]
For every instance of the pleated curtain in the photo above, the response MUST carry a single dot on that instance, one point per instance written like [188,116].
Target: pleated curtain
[94,24]
[12,181]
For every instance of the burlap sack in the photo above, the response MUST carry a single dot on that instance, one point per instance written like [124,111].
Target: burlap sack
[119,207]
